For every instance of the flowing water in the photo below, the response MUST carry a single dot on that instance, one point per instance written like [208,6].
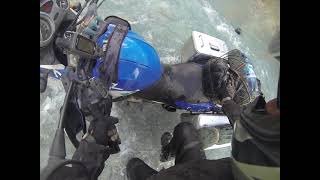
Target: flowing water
[167,24]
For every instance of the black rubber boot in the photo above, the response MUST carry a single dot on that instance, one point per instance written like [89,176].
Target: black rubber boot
[139,170]
[186,144]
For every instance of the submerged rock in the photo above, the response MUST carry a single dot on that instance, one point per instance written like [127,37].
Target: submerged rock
[238,30]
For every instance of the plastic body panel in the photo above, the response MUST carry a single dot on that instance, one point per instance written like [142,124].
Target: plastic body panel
[198,107]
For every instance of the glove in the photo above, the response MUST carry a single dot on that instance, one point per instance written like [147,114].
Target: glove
[102,127]
[104,131]
[92,155]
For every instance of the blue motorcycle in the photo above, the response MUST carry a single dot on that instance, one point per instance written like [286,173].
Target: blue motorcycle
[107,59]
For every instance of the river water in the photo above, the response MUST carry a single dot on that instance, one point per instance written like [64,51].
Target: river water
[167,24]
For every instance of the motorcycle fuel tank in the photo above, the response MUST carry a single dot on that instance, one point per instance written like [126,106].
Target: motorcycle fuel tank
[139,64]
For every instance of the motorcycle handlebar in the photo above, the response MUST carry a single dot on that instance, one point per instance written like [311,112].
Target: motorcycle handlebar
[63,43]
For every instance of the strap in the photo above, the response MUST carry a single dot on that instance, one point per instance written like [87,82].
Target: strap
[110,20]
[116,20]
[109,68]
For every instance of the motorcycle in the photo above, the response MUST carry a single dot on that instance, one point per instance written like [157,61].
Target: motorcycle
[107,58]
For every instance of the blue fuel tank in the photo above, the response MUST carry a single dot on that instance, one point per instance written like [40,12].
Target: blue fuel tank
[139,64]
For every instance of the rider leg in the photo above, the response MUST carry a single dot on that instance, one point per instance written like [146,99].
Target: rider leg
[139,170]
[185,144]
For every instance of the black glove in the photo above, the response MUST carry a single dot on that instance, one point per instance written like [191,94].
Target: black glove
[105,132]
[92,155]
[95,148]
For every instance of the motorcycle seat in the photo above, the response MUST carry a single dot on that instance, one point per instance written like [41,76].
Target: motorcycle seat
[179,82]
